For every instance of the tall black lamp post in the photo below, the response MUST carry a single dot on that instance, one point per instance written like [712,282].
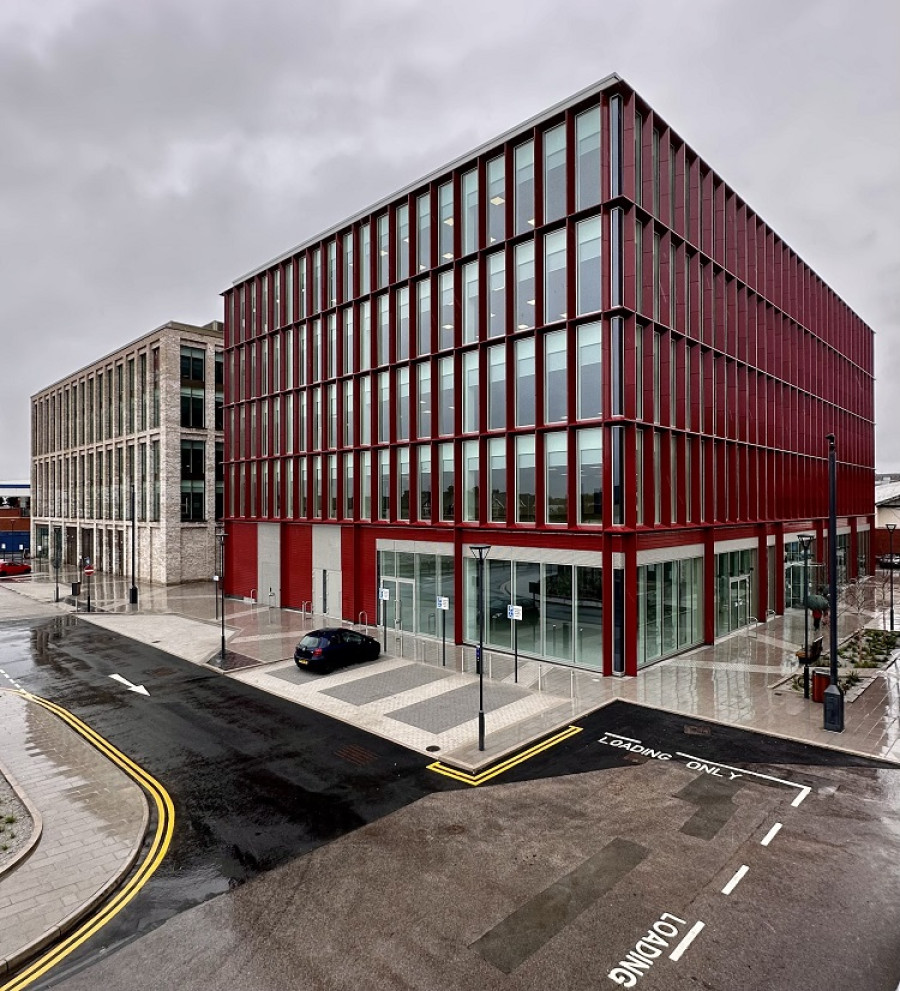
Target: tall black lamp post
[834,697]
[220,578]
[133,595]
[891,527]
[805,540]
[480,551]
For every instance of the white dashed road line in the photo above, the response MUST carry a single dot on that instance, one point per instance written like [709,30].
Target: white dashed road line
[772,833]
[689,938]
[736,880]
[11,680]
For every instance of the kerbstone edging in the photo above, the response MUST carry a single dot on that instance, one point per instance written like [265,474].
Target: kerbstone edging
[37,822]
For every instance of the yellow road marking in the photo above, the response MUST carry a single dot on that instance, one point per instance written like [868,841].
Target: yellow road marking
[165,826]
[479,779]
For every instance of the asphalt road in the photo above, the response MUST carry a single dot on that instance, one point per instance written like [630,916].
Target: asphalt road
[646,850]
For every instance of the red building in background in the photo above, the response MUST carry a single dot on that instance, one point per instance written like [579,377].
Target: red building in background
[576,344]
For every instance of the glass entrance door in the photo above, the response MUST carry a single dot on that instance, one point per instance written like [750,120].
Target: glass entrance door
[400,607]
[739,601]
[793,585]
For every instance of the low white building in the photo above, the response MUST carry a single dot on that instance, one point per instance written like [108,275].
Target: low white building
[141,428]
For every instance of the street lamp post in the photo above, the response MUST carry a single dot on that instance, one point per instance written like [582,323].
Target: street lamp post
[133,596]
[220,536]
[834,697]
[891,527]
[805,540]
[480,551]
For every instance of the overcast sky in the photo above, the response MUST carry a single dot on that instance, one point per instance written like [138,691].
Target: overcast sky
[152,151]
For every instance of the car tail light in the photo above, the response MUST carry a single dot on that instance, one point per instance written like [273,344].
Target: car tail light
[317,652]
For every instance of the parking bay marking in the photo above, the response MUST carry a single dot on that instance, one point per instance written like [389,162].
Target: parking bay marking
[695,763]
[736,880]
[772,833]
[689,938]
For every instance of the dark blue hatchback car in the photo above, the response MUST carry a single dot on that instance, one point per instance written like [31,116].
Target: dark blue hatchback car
[328,649]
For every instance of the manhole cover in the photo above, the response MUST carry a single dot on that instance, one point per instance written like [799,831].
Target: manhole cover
[455,829]
[432,749]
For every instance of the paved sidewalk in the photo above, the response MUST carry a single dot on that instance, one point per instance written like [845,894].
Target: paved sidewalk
[89,817]
[416,694]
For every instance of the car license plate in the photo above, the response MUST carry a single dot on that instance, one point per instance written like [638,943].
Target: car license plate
[302,660]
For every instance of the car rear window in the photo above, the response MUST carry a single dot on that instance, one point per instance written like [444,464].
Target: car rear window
[310,641]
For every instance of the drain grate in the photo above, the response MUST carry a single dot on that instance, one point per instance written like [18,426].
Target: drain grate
[356,755]
[694,730]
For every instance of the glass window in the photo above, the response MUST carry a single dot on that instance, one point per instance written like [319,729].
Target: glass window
[403,483]
[445,218]
[365,272]
[470,481]
[470,302]
[331,274]
[556,391]
[525,374]
[423,231]
[423,424]
[555,173]
[638,160]
[423,316]
[590,475]
[617,370]
[525,480]
[193,481]
[470,212]
[349,340]
[497,457]
[616,257]
[316,287]
[588,276]
[332,347]
[470,392]
[639,476]
[289,292]
[348,287]
[384,484]
[193,387]
[446,404]
[402,222]
[589,372]
[615,146]
[496,181]
[348,438]
[424,486]
[365,410]
[332,487]
[556,459]
[448,500]
[384,409]
[365,486]
[365,335]
[348,486]
[587,163]
[403,402]
[445,336]
[617,441]
[383,329]
[384,256]
[525,302]
[555,276]
[524,198]
[496,294]
[402,323]
[497,387]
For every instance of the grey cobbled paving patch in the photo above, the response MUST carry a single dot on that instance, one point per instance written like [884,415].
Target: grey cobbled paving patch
[457,707]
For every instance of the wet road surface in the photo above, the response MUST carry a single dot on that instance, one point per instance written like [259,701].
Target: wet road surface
[632,854]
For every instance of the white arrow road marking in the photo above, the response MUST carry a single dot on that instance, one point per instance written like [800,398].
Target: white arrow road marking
[131,688]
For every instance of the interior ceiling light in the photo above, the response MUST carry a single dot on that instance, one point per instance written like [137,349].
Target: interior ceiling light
[497,200]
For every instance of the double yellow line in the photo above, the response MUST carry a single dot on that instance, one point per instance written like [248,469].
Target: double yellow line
[479,779]
[165,826]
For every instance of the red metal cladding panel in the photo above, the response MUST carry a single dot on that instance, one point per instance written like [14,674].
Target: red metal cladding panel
[349,602]
[296,565]
[241,559]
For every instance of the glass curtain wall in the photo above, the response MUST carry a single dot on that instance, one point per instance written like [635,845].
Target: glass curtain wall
[735,590]
[562,609]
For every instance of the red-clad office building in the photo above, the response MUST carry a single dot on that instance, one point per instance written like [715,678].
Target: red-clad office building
[577,345]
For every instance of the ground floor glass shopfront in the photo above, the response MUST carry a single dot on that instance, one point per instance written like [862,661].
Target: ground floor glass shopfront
[735,590]
[670,608]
